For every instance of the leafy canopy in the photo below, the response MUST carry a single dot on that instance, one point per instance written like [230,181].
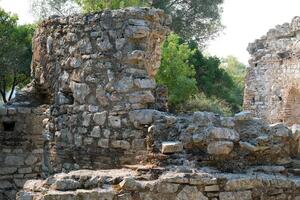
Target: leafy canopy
[175,71]
[96,5]
[199,20]
[15,54]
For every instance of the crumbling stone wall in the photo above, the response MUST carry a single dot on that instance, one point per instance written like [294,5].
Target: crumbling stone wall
[95,72]
[21,147]
[96,69]
[272,83]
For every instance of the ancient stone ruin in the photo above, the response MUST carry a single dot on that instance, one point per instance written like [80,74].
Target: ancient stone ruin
[92,125]
[273,83]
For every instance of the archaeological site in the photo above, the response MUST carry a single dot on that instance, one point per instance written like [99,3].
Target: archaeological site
[93,124]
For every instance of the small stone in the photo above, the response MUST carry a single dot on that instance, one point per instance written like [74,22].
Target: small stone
[243,116]
[167,187]
[114,121]
[212,188]
[7,170]
[145,83]
[243,195]
[122,144]
[100,118]
[30,160]
[65,184]
[25,170]
[14,160]
[130,184]
[172,147]
[103,143]
[217,133]
[143,117]
[190,192]
[80,91]
[220,148]
[141,97]
[96,132]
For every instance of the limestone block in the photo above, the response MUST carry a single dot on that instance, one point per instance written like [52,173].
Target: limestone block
[220,148]
[190,192]
[141,97]
[144,116]
[114,121]
[203,118]
[124,85]
[7,170]
[100,118]
[243,116]
[96,132]
[80,91]
[14,160]
[172,147]
[103,143]
[243,195]
[216,133]
[130,184]
[167,187]
[65,184]
[280,130]
[145,83]
[122,144]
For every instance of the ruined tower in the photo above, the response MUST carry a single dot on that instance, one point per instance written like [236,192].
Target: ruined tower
[272,89]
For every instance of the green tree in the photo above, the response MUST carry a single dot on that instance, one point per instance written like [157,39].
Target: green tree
[194,19]
[42,9]
[96,5]
[15,54]
[213,80]
[175,71]
[237,71]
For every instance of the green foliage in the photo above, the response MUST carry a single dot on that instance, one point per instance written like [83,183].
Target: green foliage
[15,54]
[213,80]
[200,102]
[42,9]
[175,72]
[237,71]
[193,19]
[96,5]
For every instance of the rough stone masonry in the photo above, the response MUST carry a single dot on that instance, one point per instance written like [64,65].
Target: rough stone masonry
[273,82]
[90,125]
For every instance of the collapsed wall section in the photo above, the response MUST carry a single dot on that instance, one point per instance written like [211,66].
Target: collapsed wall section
[272,82]
[95,69]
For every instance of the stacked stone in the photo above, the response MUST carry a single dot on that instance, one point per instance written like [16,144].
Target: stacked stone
[272,82]
[176,183]
[232,144]
[21,147]
[97,68]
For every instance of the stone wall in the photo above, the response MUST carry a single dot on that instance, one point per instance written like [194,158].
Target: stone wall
[272,83]
[175,184]
[21,147]
[95,69]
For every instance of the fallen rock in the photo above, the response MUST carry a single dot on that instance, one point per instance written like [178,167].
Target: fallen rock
[171,147]
[220,148]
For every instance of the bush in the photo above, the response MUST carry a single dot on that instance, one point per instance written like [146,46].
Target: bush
[200,102]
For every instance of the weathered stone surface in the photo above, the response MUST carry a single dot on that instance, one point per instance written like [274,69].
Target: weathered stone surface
[220,148]
[245,195]
[14,160]
[217,133]
[190,192]
[272,83]
[100,118]
[244,115]
[66,184]
[171,147]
